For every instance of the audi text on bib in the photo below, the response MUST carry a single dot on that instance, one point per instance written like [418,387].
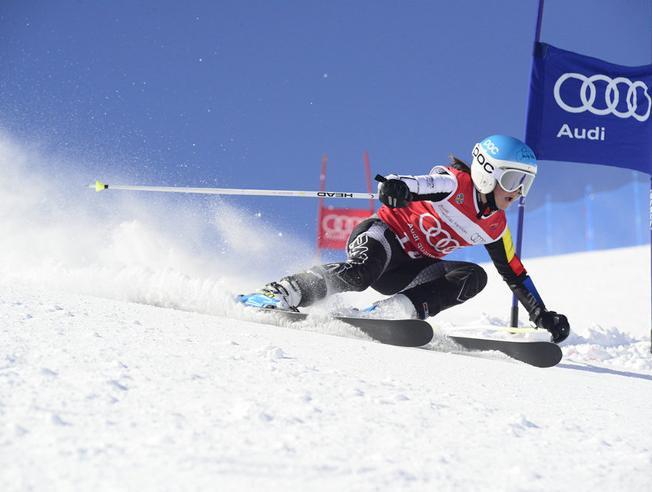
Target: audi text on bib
[436,229]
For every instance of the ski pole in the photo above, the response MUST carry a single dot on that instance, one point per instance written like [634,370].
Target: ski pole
[99,186]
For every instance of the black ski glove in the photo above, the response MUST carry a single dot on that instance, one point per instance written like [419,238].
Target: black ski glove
[393,192]
[556,324]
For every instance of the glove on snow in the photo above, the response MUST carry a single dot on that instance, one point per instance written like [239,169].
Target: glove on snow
[556,324]
[393,192]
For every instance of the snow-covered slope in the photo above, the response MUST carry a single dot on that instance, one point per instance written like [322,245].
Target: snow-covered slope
[102,395]
[125,365]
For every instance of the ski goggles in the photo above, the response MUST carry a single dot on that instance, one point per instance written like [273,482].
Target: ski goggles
[513,179]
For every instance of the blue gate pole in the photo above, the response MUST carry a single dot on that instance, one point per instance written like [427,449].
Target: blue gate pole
[521,202]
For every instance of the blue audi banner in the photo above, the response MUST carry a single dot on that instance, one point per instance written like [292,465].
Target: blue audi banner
[582,109]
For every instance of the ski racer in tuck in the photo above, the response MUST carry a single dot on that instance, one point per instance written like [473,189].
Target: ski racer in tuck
[399,251]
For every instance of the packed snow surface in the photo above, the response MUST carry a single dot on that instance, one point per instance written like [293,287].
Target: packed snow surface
[124,363]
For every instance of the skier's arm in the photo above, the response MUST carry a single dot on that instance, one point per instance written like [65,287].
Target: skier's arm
[397,190]
[509,266]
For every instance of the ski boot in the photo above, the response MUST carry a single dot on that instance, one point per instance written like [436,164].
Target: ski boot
[275,295]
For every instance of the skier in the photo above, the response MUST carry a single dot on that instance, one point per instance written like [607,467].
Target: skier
[399,251]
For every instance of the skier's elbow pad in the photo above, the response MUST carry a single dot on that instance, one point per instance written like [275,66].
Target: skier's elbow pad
[427,185]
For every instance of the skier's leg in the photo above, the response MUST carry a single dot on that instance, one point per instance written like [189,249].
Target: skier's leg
[444,284]
[368,254]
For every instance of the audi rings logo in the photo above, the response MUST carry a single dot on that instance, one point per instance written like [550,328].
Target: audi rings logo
[637,107]
[437,237]
[338,227]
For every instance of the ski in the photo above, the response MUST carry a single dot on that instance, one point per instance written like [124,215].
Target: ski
[401,332]
[416,333]
[535,353]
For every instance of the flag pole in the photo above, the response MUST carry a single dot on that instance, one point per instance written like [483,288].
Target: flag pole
[521,202]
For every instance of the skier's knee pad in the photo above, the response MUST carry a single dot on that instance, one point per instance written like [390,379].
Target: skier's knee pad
[470,279]
[457,286]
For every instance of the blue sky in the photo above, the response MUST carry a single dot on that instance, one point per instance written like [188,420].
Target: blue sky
[251,94]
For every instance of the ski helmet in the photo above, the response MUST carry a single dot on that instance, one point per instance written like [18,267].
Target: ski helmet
[504,160]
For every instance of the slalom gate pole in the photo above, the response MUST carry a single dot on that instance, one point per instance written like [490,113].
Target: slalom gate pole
[99,186]
[513,322]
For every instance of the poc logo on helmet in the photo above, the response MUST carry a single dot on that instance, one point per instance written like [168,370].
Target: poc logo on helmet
[480,158]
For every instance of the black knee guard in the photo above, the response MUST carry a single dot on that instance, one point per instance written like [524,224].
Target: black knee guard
[469,280]
[460,283]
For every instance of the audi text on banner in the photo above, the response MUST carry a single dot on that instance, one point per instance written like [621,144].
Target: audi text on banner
[583,109]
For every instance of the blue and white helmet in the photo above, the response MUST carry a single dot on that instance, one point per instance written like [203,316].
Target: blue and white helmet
[504,160]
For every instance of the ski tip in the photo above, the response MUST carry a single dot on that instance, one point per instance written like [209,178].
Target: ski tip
[99,186]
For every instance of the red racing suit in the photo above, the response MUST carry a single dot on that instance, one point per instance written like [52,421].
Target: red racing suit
[446,215]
